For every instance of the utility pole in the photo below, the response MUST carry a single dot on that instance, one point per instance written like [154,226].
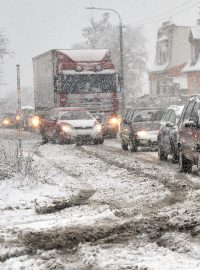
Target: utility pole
[121,59]
[20,152]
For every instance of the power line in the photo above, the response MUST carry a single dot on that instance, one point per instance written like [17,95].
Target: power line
[160,16]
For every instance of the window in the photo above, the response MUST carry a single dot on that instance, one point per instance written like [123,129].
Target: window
[172,118]
[76,115]
[194,114]
[167,116]
[188,111]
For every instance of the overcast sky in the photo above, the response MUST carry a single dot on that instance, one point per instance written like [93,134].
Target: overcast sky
[35,26]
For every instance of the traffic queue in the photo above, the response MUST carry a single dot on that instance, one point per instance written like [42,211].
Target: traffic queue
[174,131]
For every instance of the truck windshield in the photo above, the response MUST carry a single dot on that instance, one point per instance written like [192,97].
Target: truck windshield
[82,83]
[147,115]
[76,115]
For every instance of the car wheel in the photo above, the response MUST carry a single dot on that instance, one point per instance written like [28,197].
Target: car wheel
[57,139]
[185,165]
[101,141]
[124,145]
[133,145]
[44,139]
[95,141]
[161,153]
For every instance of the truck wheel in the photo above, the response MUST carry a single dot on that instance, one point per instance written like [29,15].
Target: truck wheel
[161,153]
[185,165]
[124,145]
[133,145]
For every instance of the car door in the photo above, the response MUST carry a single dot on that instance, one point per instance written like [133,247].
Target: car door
[186,133]
[195,131]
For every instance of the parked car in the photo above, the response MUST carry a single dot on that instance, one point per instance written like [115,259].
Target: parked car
[140,128]
[167,135]
[189,135]
[8,120]
[71,125]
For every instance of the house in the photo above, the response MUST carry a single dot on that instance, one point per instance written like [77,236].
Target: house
[173,52]
[192,70]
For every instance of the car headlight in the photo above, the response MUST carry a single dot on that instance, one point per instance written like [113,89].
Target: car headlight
[66,128]
[114,121]
[35,121]
[18,117]
[6,122]
[98,127]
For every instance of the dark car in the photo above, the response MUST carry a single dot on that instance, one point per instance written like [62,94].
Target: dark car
[70,124]
[189,135]
[140,128]
[167,135]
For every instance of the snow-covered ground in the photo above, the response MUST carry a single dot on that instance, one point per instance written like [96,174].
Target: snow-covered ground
[140,213]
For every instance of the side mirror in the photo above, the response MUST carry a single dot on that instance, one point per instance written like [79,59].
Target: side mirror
[169,124]
[124,121]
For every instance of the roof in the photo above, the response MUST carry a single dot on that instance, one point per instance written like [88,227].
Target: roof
[189,67]
[195,32]
[85,55]
[159,68]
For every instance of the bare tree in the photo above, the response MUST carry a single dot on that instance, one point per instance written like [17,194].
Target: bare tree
[103,34]
[3,52]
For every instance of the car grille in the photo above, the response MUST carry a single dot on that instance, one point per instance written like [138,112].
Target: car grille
[83,128]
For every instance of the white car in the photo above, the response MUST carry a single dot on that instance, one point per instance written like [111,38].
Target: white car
[71,124]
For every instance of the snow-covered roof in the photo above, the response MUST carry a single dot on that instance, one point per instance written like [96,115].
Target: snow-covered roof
[27,107]
[74,72]
[85,55]
[159,68]
[189,67]
[195,32]
[182,81]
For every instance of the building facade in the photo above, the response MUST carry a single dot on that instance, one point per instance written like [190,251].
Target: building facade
[173,52]
[193,67]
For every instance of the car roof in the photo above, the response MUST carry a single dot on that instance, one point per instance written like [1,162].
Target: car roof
[148,109]
[195,97]
[176,108]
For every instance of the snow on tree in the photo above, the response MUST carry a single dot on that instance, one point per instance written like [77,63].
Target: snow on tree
[3,52]
[103,34]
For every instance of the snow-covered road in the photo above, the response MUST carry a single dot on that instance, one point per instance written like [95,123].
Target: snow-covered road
[143,214]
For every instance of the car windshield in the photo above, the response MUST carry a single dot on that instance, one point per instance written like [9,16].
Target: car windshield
[76,115]
[147,115]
